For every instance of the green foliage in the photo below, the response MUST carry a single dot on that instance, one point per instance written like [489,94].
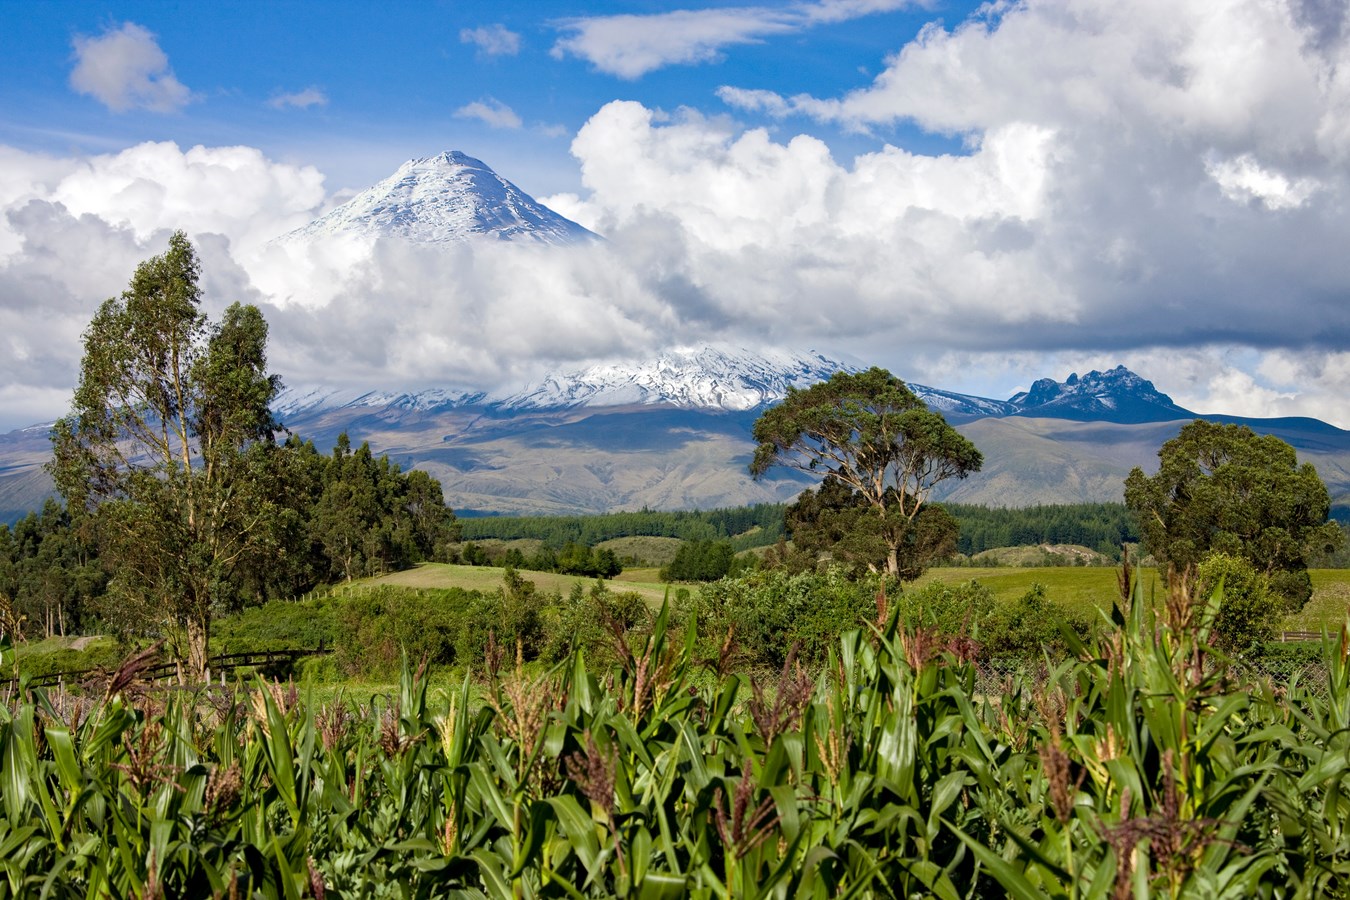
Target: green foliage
[770,611]
[1032,628]
[876,438]
[838,523]
[1249,610]
[702,561]
[1142,767]
[592,621]
[1224,489]
[167,448]
[49,568]
[377,628]
[748,526]
[34,660]
[279,625]
[954,610]
[1104,527]
[369,517]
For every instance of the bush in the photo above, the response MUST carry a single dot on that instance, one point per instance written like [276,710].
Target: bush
[1249,608]
[588,620]
[769,610]
[1029,627]
[700,561]
[41,659]
[954,609]
[278,625]
[376,627]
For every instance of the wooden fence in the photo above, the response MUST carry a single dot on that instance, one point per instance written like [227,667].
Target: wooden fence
[170,671]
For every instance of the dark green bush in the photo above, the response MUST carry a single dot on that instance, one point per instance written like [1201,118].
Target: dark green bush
[954,609]
[1029,627]
[592,621]
[278,625]
[376,627]
[769,610]
[700,561]
[101,654]
[1249,607]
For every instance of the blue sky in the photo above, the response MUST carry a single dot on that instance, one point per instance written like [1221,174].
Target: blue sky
[972,195]
[356,88]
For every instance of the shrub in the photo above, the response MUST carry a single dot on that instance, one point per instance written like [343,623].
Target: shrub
[769,610]
[588,620]
[954,609]
[278,624]
[1029,627]
[700,561]
[1249,608]
[376,627]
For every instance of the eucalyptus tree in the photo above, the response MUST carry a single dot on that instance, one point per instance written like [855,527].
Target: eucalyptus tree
[168,446]
[879,441]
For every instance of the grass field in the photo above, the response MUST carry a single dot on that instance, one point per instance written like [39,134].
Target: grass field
[1078,588]
[1083,588]
[486,578]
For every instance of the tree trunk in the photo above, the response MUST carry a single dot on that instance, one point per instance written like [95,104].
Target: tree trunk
[198,649]
[893,561]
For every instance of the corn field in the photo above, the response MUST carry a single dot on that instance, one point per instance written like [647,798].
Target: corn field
[1140,768]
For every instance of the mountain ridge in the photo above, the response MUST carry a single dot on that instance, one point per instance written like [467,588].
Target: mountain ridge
[620,438]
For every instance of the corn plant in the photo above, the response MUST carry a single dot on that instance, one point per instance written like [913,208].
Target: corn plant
[1139,767]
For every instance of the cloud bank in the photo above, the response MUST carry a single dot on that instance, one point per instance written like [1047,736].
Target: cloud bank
[1163,187]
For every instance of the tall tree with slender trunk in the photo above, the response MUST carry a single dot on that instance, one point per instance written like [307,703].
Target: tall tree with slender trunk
[875,437]
[166,446]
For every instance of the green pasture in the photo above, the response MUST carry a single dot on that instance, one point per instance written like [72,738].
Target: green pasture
[487,578]
[1073,587]
[1081,589]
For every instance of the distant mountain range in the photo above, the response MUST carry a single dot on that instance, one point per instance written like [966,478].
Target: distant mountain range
[673,431]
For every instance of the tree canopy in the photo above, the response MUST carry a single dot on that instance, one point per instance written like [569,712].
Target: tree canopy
[166,443]
[874,437]
[1221,488]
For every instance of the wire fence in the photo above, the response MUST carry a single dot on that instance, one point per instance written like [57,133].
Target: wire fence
[997,677]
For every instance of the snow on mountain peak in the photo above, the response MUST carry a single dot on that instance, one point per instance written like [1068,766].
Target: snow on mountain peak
[447,198]
[1116,395]
[702,378]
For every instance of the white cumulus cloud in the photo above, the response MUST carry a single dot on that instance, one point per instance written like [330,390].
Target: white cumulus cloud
[490,111]
[1158,184]
[124,68]
[492,40]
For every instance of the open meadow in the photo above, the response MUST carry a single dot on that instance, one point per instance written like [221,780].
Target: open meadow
[1076,588]
[486,578]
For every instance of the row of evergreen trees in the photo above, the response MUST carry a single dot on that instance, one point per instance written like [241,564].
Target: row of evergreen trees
[1101,526]
[348,514]
[747,526]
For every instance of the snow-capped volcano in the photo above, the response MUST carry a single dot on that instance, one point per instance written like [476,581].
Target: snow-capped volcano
[706,378]
[703,378]
[443,199]
[724,379]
